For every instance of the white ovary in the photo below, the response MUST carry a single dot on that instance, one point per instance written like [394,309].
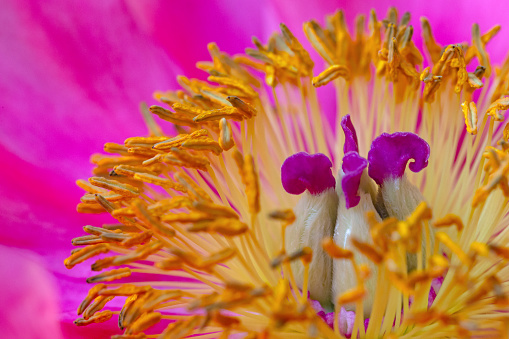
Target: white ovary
[352,223]
[400,198]
[315,219]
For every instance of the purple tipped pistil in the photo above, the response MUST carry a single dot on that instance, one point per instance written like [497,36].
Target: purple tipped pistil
[303,171]
[351,144]
[390,153]
[353,166]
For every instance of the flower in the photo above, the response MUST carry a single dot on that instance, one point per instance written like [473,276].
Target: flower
[38,220]
[207,210]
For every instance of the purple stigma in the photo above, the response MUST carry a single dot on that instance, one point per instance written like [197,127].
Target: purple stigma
[390,153]
[353,166]
[351,143]
[303,171]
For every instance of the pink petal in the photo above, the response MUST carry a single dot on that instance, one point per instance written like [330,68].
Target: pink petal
[29,306]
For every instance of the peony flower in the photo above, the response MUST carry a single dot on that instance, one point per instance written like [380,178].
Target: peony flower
[25,152]
[368,250]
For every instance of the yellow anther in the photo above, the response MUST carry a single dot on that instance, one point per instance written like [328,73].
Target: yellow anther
[96,306]
[87,240]
[470,114]
[110,275]
[501,251]
[474,80]
[480,248]
[287,216]
[330,74]
[143,141]
[247,91]
[446,240]
[137,239]
[252,184]
[144,322]
[449,220]
[156,180]
[480,50]
[186,217]
[178,140]
[174,118]
[192,187]
[99,317]
[243,107]
[227,112]
[85,253]
[506,132]
[92,294]
[334,251]
[170,264]
[189,160]
[438,261]
[90,198]
[89,208]
[188,110]
[352,295]
[320,41]
[368,250]
[215,259]
[297,48]
[203,144]
[305,254]
[163,206]
[88,187]
[111,147]
[494,108]
[225,226]
[225,135]
[125,290]
[115,186]
[215,210]
[181,329]
[422,212]
[149,220]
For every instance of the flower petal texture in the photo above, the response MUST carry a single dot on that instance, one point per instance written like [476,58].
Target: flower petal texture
[303,171]
[351,143]
[353,166]
[390,153]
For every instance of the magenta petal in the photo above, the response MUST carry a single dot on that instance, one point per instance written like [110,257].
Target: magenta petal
[353,166]
[390,153]
[303,171]
[28,298]
[351,143]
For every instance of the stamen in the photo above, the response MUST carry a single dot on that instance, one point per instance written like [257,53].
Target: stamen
[225,136]
[330,74]
[144,322]
[96,306]
[115,186]
[92,294]
[99,317]
[85,253]
[110,275]
[494,108]
[470,114]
